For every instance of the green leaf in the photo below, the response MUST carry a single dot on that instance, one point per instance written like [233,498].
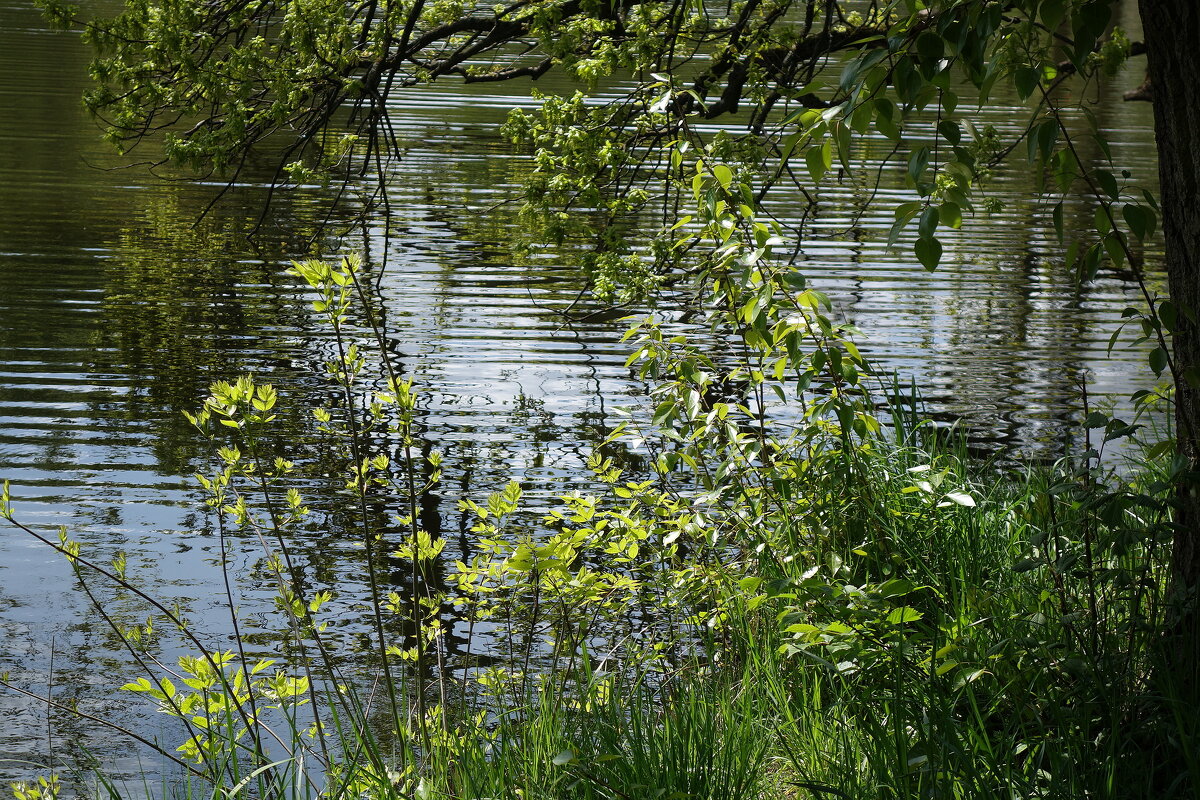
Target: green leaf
[902,615]
[841,135]
[949,101]
[950,215]
[1161,449]
[1107,182]
[930,47]
[964,678]
[945,667]
[1091,262]
[789,145]
[1046,137]
[750,584]
[928,222]
[896,587]
[1089,23]
[1114,245]
[929,252]
[1026,80]
[1140,219]
[860,120]
[860,66]
[1168,314]
[917,163]
[723,175]
[905,78]
[904,213]
[950,131]
[885,119]
[819,158]
[1158,360]
[1052,12]
[961,499]
[1065,168]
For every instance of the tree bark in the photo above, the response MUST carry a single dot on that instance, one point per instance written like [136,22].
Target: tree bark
[1172,32]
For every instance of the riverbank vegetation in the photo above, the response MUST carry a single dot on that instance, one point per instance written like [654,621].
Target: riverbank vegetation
[783,581]
[803,94]
[805,594]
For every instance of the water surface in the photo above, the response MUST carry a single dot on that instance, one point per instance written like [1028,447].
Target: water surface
[118,309]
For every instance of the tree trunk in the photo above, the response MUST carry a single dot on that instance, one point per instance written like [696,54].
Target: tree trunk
[1172,32]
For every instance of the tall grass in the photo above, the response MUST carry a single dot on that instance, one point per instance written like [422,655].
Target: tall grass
[846,609]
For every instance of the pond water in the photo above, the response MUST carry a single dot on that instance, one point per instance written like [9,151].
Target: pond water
[118,308]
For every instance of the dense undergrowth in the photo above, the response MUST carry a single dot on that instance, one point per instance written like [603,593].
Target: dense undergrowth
[806,591]
[835,604]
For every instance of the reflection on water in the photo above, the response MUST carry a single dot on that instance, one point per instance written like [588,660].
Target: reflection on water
[118,309]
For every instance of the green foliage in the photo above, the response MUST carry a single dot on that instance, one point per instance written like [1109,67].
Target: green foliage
[802,593]
[813,86]
[44,788]
[815,79]
[220,691]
